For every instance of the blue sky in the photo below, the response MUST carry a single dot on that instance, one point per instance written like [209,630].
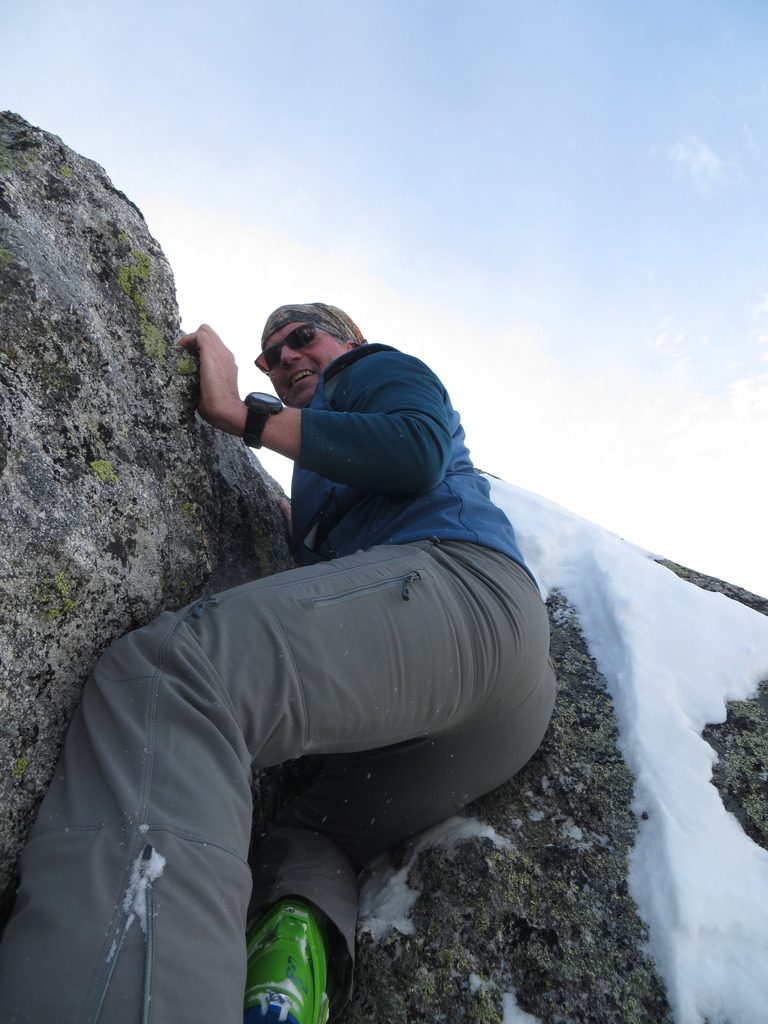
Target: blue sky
[560,205]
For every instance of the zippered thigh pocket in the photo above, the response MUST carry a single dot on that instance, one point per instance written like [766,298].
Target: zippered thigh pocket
[404,582]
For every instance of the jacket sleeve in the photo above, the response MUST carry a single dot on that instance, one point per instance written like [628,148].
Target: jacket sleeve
[388,430]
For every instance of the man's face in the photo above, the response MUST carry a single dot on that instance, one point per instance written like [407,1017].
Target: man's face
[297,374]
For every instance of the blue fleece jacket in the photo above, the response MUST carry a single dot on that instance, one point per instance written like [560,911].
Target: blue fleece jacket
[383,461]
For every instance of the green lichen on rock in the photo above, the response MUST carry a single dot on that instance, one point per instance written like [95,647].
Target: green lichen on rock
[20,766]
[132,278]
[18,150]
[55,375]
[6,158]
[6,258]
[65,171]
[741,772]
[54,595]
[485,1007]
[186,365]
[154,345]
[103,470]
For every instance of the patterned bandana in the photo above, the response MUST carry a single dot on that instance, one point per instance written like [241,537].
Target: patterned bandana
[328,318]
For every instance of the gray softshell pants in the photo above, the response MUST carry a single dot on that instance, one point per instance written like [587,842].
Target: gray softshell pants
[421,668]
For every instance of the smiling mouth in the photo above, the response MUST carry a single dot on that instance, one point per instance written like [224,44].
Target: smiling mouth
[299,376]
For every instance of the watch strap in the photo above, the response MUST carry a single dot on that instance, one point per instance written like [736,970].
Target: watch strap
[254,427]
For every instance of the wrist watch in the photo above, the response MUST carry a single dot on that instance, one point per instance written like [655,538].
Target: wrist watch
[260,407]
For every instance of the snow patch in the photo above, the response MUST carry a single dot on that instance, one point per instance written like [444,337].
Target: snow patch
[386,899]
[672,655]
[512,1012]
[145,870]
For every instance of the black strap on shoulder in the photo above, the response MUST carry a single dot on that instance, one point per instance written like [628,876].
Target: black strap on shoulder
[332,377]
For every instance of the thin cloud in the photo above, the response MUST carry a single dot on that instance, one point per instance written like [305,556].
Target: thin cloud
[669,342]
[760,333]
[705,167]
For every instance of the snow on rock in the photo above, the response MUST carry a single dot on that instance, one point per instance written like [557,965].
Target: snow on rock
[512,1012]
[386,899]
[672,655]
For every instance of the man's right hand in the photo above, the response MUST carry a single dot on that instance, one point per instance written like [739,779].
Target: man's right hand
[220,403]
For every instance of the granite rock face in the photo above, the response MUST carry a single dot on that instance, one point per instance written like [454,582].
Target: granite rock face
[116,501]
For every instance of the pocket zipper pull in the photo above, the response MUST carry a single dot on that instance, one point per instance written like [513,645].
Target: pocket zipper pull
[405,593]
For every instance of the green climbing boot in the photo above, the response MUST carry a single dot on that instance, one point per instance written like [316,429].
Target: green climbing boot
[287,967]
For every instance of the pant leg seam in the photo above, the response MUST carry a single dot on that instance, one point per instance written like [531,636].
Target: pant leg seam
[151,716]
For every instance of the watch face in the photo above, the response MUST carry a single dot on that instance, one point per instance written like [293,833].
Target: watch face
[263,402]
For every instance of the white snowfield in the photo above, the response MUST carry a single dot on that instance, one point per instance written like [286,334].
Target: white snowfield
[672,655]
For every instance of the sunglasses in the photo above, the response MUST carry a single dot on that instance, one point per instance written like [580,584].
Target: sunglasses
[297,339]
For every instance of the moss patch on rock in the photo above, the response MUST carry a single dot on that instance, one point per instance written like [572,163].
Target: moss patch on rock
[132,278]
[103,470]
[54,595]
[186,365]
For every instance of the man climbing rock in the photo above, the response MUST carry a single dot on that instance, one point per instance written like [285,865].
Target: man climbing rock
[411,647]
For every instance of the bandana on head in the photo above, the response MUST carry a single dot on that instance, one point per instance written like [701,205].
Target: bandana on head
[328,318]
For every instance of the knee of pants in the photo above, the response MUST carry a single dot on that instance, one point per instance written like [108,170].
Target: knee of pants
[150,726]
